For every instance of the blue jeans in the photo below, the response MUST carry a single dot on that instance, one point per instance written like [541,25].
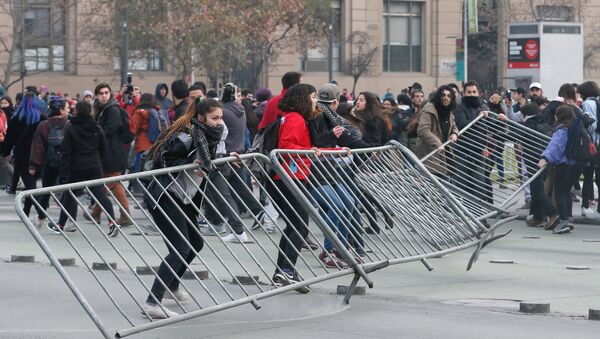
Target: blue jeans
[334,201]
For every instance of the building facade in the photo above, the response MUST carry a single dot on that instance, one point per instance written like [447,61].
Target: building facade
[415,41]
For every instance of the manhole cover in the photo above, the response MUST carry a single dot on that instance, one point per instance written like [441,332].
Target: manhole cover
[501,303]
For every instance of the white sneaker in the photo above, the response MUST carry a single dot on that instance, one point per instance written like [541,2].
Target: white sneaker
[156,312]
[593,215]
[586,211]
[236,238]
[529,218]
[270,225]
[69,227]
[179,295]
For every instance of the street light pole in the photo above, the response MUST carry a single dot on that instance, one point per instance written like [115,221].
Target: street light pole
[466,40]
[330,41]
[125,47]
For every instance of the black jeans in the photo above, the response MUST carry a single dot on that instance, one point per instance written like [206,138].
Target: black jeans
[587,193]
[220,196]
[470,174]
[541,205]
[234,178]
[21,170]
[565,178]
[70,204]
[190,234]
[297,221]
[49,178]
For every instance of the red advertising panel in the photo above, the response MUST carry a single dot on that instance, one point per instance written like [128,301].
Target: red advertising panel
[524,53]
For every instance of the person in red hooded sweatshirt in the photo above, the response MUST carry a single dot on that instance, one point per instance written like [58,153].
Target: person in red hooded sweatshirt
[288,80]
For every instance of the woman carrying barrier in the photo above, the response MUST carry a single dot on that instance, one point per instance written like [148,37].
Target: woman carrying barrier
[367,121]
[298,106]
[193,138]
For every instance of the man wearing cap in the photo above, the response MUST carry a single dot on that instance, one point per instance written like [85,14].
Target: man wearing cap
[535,90]
[330,123]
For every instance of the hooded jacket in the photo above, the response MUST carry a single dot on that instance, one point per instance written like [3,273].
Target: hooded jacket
[141,125]
[234,117]
[163,102]
[108,117]
[83,147]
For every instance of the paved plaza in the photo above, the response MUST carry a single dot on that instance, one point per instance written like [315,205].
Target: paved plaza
[406,302]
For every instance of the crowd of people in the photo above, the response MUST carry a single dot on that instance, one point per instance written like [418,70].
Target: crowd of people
[106,133]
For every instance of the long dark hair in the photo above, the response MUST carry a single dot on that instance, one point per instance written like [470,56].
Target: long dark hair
[200,106]
[437,99]
[373,107]
[297,99]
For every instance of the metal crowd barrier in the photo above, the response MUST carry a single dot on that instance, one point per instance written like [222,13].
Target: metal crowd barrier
[421,219]
[221,275]
[486,169]
[348,192]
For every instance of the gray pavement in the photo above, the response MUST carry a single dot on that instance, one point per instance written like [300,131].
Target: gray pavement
[406,302]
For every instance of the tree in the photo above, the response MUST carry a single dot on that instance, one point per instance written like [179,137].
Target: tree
[216,36]
[362,55]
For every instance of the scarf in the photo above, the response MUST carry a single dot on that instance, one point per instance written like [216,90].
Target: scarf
[332,116]
[206,139]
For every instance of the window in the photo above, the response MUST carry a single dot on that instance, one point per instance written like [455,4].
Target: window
[402,36]
[43,46]
[315,59]
[555,13]
[148,60]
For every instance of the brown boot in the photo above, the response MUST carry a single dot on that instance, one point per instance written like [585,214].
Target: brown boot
[94,213]
[124,221]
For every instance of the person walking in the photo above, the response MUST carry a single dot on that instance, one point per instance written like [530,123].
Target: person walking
[19,136]
[46,148]
[83,147]
[108,115]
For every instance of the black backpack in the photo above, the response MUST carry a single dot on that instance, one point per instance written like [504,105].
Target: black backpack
[56,135]
[579,144]
[125,134]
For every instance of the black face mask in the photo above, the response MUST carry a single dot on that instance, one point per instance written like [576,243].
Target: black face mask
[471,101]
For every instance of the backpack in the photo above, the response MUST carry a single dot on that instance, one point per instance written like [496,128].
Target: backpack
[264,142]
[579,144]
[156,124]
[125,134]
[56,135]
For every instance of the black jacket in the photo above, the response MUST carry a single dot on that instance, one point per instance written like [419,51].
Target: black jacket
[375,132]
[19,136]
[83,147]
[476,138]
[109,118]
[181,109]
